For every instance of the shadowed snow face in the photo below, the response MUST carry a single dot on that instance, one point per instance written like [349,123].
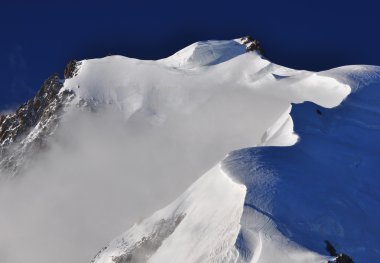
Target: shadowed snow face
[164,127]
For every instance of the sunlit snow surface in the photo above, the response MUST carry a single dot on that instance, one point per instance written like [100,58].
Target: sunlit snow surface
[173,120]
[326,187]
[295,197]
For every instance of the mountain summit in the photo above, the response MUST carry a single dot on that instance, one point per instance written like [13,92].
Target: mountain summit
[264,163]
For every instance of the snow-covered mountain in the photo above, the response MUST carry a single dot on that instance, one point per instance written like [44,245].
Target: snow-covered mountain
[192,117]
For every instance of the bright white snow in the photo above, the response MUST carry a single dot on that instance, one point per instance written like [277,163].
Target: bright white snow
[180,116]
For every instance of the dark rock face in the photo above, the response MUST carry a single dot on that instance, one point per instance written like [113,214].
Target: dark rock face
[27,115]
[70,69]
[252,45]
[339,258]
[343,258]
[330,248]
[26,129]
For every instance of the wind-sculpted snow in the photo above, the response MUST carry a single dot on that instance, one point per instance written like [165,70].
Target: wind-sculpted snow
[205,54]
[323,188]
[211,210]
[137,134]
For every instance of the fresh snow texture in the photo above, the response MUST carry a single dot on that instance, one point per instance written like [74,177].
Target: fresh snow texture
[185,113]
[260,237]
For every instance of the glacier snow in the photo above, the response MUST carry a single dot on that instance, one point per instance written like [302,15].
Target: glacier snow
[282,160]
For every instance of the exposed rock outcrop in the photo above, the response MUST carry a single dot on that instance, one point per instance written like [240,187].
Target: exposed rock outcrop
[71,69]
[339,258]
[142,250]
[25,129]
[252,44]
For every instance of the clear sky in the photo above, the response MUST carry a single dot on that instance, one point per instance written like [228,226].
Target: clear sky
[39,37]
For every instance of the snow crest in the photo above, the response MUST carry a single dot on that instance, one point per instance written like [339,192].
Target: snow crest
[174,120]
[225,218]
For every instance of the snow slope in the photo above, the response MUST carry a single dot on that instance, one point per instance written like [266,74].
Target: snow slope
[326,186]
[267,230]
[180,116]
[201,113]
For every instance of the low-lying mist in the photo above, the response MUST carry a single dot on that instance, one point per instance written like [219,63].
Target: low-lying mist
[102,173]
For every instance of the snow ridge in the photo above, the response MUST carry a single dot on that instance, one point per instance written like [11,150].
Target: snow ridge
[248,232]
[211,99]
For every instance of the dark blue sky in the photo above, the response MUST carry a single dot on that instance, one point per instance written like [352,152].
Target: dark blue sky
[37,39]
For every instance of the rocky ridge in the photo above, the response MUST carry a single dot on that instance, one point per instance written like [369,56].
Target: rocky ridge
[26,130]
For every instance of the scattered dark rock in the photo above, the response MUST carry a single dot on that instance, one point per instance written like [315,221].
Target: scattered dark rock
[123,258]
[142,250]
[246,40]
[252,44]
[40,112]
[70,69]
